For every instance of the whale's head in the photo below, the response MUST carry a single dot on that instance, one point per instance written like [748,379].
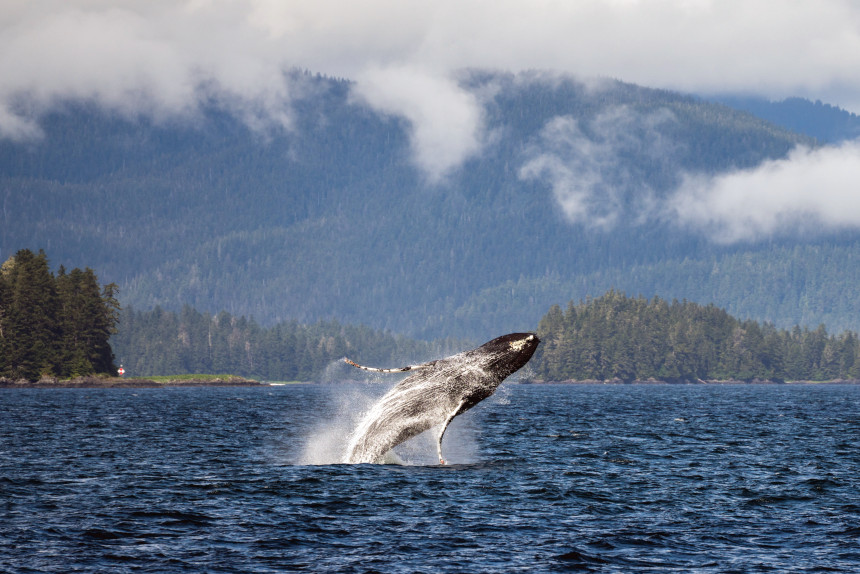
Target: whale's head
[509,353]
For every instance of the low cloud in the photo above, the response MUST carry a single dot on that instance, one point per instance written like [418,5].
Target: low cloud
[599,172]
[157,58]
[446,121]
[162,57]
[588,166]
[811,190]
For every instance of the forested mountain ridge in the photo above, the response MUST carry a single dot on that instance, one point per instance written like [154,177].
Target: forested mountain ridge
[331,219]
[824,122]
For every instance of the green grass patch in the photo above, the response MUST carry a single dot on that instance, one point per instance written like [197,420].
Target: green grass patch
[193,377]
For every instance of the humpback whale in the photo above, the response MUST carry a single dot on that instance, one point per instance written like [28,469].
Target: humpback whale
[435,393]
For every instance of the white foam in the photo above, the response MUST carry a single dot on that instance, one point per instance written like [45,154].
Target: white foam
[326,442]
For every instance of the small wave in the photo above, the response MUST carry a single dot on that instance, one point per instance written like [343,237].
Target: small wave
[583,558]
[175,517]
[101,534]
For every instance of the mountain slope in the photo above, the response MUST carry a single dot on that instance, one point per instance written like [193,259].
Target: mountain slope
[826,123]
[332,219]
[804,285]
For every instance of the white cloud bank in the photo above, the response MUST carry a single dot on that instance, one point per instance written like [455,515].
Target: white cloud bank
[160,57]
[810,191]
[587,166]
[156,59]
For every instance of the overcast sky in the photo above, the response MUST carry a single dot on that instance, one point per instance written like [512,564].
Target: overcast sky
[159,57]
[156,53]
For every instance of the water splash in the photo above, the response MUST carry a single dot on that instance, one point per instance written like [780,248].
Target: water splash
[327,441]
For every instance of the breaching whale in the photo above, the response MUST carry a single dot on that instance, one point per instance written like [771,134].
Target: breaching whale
[437,392]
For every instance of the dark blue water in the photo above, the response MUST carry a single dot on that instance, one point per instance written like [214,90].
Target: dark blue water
[545,478]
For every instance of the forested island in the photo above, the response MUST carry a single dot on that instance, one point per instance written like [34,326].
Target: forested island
[54,325]
[623,339]
[62,329]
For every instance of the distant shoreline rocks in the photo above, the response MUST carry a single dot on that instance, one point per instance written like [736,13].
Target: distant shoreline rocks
[691,382]
[95,382]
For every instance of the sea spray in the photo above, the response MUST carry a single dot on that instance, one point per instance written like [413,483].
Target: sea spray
[327,441]
[350,397]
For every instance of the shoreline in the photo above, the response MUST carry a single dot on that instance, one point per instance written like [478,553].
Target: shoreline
[93,382]
[695,382]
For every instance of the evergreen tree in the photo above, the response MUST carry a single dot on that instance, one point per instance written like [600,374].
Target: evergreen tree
[87,318]
[5,309]
[31,318]
[54,326]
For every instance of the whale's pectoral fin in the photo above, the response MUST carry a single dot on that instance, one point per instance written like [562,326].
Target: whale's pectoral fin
[375,370]
[448,420]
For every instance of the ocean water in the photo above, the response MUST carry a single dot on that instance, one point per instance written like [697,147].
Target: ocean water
[542,479]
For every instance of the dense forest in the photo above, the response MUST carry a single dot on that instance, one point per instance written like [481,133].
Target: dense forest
[332,218]
[774,284]
[65,325]
[612,337]
[619,337]
[54,325]
[160,342]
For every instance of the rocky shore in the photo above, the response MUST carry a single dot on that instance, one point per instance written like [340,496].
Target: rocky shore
[691,382]
[93,382]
